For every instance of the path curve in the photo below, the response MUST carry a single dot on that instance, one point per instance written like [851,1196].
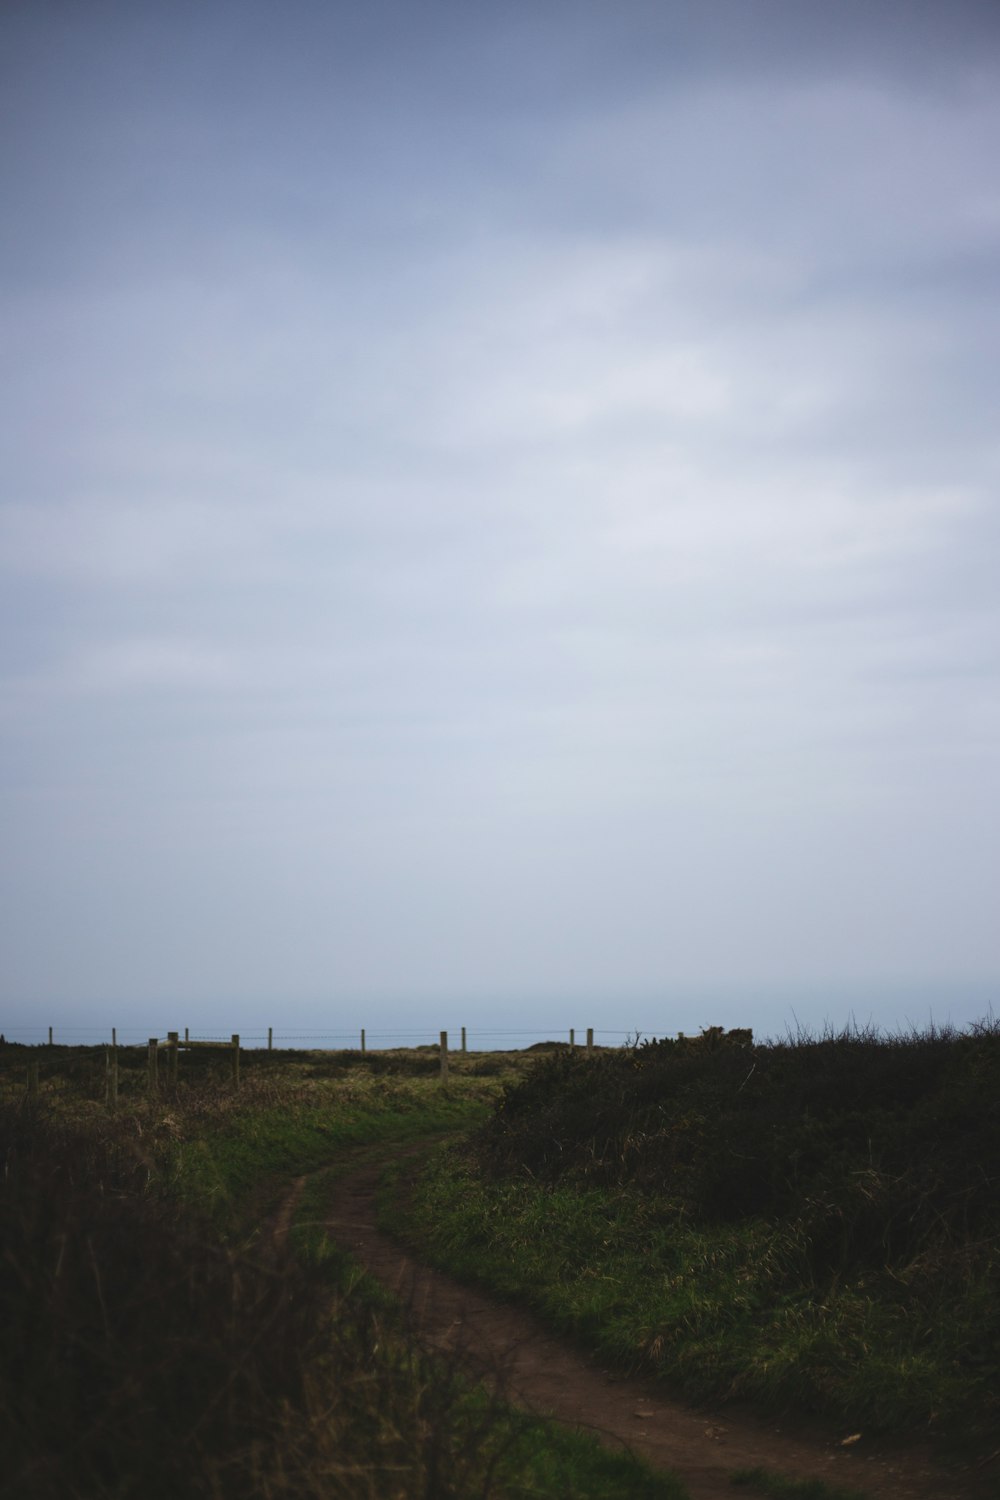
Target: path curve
[545,1373]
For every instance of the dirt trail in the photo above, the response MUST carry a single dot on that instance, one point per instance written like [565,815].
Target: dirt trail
[545,1373]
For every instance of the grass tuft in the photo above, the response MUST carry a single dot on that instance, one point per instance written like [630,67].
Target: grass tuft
[764,1482]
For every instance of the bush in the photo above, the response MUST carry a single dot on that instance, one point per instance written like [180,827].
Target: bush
[886,1150]
[140,1357]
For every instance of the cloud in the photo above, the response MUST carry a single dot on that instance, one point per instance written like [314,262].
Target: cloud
[148,664]
[527,514]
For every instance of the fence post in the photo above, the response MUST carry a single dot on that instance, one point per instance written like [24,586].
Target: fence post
[236,1059]
[186,1037]
[463,1041]
[152,1078]
[590,1040]
[444,1056]
[50,1036]
[572,1038]
[32,1079]
[270,1039]
[172,1041]
[363,1048]
[114,1036]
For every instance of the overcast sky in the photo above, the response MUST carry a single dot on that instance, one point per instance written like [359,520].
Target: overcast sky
[499,510]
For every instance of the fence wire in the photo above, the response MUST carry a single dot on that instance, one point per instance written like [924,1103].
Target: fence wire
[500,1039]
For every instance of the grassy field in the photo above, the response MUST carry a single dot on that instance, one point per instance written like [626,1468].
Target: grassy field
[814,1225]
[155,1341]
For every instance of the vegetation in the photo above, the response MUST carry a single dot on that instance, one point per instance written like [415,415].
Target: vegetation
[156,1341]
[763,1482]
[813,1224]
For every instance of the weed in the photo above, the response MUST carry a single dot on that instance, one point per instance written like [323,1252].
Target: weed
[150,1345]
[763,1482]
[813,1224]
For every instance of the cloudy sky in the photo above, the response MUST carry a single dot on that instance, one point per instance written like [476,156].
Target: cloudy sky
[499,514]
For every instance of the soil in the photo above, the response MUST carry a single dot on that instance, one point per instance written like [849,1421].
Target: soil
[547,1374]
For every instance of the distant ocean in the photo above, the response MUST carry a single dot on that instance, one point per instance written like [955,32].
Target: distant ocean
[498,1023]
[477,1038]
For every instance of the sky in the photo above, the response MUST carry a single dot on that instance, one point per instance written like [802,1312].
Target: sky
[499,515]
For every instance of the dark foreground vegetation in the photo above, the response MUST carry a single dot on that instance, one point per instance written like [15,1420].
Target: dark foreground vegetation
[814,1224]
[157,1340]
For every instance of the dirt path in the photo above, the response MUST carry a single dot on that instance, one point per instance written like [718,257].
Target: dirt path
[547,1374]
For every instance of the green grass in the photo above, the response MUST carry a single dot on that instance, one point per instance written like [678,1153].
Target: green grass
[525,1456]
[811,1224]
[544,1459]
[719,1310]
[763,1482]
[151,1343]
[221,1161]
[313,1244]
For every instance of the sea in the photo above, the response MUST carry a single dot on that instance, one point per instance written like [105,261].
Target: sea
[495,1022]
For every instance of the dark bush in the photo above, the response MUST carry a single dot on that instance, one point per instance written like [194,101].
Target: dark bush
[141,1358]
[880,1147]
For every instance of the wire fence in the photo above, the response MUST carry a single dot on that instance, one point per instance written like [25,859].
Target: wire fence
[360,1038]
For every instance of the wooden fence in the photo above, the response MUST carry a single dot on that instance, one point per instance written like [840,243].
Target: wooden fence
[189,1042]
[173,1046]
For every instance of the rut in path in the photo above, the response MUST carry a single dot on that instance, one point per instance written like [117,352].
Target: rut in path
[546,1374]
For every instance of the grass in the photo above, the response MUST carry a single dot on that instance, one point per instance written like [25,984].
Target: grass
[854,1273]
[764,1482]
[230,1154]
[526,1456]
[812,1226]
[153,1344]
